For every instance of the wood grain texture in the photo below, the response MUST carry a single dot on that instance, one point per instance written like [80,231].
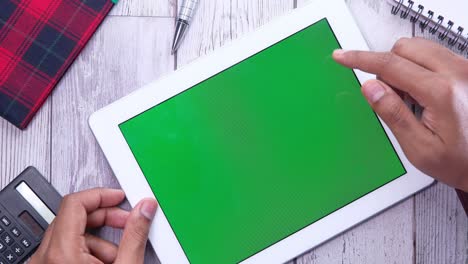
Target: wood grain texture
[139,8]
[210,29]
[112,65]
[249,15]
[218,22]
[441,227]
[31,147]
[386,238]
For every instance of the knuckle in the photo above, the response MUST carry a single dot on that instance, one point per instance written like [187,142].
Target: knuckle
[385,60]
[98,189]
[69,199]
[138,233]
[396,114]
[445,85]
[351,57]
[94,191]
[355,58]
[400,45]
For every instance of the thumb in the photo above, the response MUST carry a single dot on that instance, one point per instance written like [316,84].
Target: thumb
[412,135]
[133,244]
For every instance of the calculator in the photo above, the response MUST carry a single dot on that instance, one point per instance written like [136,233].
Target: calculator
[27,206]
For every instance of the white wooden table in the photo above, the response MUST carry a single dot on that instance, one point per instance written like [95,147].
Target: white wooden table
[132,47]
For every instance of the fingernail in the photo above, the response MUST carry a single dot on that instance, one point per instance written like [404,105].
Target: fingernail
[373,91]
[339,53]
[148,209]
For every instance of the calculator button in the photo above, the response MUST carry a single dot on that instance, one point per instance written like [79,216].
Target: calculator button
[15,232]
[25,243]
[2,247]
[3,261]
[1,229]
[17,250]
[6,238]
[10,257]
[5,221]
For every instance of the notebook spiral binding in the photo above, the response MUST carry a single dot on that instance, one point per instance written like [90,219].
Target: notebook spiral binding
[444,30]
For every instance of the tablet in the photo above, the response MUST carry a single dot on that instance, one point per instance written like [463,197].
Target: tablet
[261,150]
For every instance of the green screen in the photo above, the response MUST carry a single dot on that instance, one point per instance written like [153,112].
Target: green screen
[262,150]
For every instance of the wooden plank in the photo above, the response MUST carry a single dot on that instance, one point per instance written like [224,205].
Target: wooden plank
[111,66]
[249,15]
[441,222]
[31,147]
[153,8]
[441,227]
[218,22]
[210,29]
[386,238]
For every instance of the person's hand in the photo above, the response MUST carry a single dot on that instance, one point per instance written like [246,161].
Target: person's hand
[437,79]
[66,240]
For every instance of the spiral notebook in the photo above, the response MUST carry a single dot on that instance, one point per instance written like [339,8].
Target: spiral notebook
[444,18]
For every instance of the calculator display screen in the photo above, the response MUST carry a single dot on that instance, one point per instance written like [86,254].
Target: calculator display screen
[263,149]
[33,226]
[41,208]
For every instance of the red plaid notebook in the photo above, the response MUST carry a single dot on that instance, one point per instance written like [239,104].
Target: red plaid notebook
[39,40]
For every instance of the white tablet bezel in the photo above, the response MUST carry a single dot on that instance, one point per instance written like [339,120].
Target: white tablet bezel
[104,124]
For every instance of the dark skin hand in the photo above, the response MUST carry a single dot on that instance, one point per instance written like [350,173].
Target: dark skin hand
[437,79]
[66,240]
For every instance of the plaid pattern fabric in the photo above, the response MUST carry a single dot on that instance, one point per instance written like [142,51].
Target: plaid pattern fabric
[39,40]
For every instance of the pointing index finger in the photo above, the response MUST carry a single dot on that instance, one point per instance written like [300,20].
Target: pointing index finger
[394,70]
